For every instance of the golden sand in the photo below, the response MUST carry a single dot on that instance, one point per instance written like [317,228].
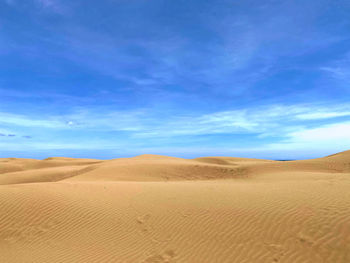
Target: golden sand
[154,208]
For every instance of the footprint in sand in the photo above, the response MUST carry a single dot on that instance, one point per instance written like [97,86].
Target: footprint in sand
[143,222]
[167,257]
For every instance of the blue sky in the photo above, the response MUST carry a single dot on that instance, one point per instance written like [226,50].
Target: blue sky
[117,78]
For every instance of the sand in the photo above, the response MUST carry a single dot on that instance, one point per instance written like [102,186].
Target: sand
[154,208]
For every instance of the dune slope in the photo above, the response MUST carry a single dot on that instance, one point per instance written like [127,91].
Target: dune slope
[162,209]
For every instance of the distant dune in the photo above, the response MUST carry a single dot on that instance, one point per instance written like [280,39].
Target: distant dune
[153,208]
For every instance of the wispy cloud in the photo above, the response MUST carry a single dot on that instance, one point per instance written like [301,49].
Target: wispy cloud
[49,5]
[10,2]
[325,139]
[322,112]
[266,121]
[149,123]
[26,121]
[322,115]
[339,69]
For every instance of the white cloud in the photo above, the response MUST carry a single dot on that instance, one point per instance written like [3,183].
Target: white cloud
[25,121]
[286,126]
[339,72]
[322,115]
[275,120]
[340,69]
[148,123]
[333,137]
[328,134]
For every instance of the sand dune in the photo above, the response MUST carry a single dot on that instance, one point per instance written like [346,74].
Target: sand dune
[154,208]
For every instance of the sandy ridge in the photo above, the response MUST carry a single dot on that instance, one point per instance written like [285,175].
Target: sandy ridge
[163,209]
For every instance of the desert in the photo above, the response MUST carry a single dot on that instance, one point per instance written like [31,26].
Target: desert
[162,131]
[153,208]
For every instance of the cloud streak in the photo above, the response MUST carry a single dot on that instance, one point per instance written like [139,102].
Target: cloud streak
[340,70]
[147,123]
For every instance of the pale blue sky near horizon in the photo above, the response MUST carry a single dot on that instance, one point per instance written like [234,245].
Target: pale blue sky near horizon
[115,78]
